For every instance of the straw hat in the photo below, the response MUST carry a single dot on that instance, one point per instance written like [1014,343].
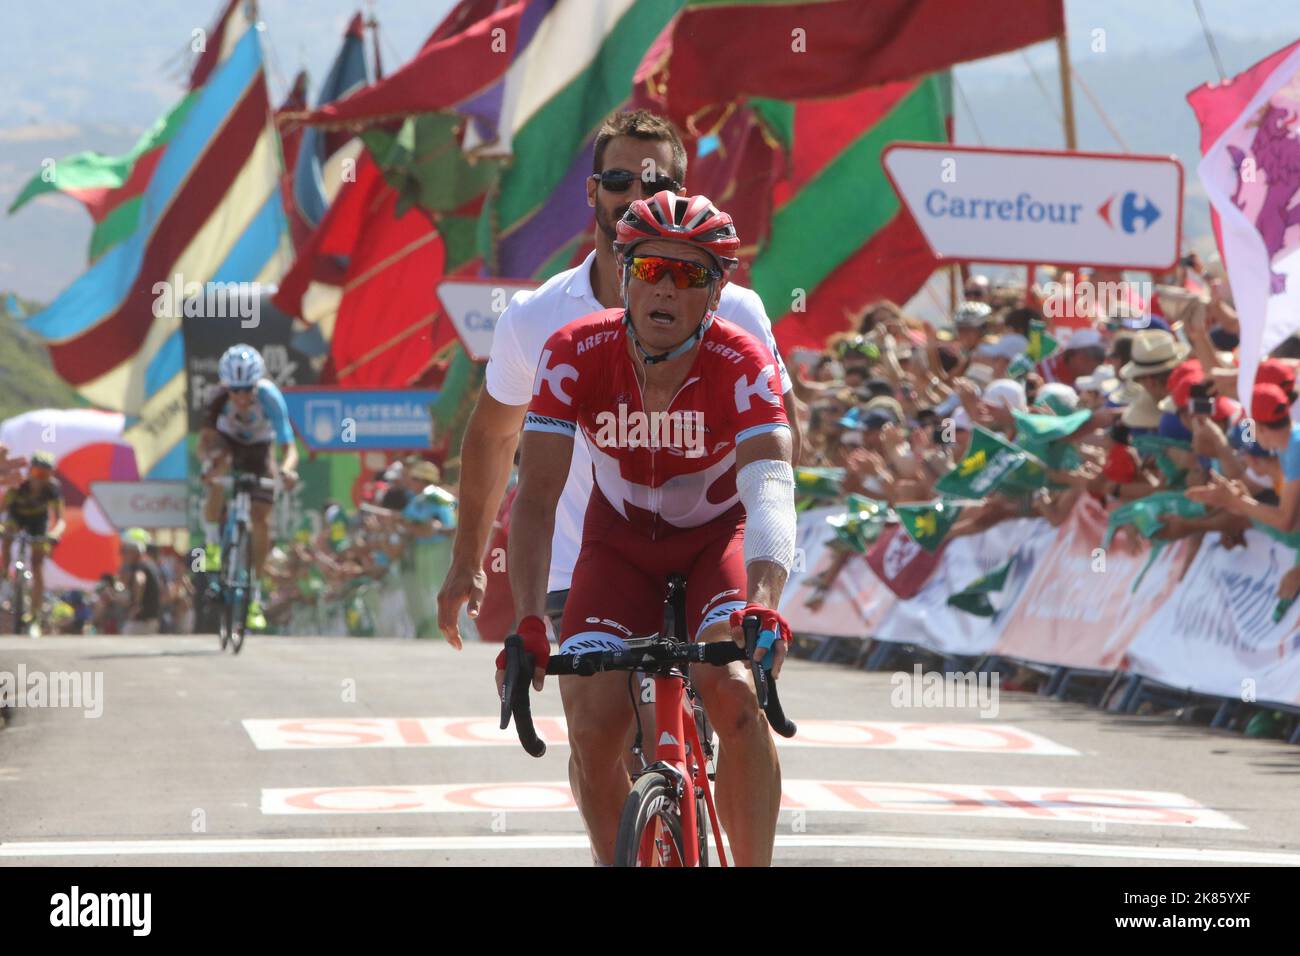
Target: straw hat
[1154,352]
[1142,413]
[425,471]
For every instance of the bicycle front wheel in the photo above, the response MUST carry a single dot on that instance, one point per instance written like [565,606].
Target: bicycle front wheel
[20,600]
[650,831]
[237,606]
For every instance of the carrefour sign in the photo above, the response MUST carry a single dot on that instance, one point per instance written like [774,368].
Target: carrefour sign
[474,305]
[1022,206]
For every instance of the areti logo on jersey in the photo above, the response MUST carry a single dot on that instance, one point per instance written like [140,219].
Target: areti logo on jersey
[554,377]
[679,430]
[599,338]
[746,390]
[726,351]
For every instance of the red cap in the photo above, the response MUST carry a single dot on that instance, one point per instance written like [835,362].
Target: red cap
[1274,372]
[1181,381]
[1269,405]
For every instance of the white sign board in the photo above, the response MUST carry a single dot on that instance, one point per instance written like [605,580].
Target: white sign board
[142,504]
[474,305]
[1023,206]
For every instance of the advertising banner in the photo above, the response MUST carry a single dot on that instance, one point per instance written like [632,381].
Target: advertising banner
[1018,205]
[927,619]
[1080,608]
[1216,634]
[346,419]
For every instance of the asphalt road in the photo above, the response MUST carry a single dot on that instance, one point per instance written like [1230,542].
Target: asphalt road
[310,751]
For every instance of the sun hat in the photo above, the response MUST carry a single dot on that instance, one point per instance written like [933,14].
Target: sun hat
[1060,398]
[1101,380]
[1154,352]
[1142,411]
[1008,393]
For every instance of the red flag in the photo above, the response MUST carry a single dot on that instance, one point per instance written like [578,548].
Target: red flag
[445,72]
[719,52]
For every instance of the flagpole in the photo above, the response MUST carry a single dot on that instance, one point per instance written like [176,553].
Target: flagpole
[1067,94]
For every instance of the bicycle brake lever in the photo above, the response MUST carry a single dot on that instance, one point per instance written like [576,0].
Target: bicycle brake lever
[514,651]
[750,626]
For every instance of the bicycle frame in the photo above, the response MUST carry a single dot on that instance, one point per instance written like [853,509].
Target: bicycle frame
[675,725]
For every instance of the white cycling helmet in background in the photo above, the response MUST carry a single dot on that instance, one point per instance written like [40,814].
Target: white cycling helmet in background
[241,367]
[972,314]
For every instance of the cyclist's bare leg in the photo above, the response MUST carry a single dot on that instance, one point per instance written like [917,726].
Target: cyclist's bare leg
[261,522]
[599,714]
[748,784]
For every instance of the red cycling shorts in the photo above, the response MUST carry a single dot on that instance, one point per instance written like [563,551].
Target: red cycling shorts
[621,575]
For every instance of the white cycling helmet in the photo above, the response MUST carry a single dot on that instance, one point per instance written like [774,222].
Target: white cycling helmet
[241,367]
[972,314]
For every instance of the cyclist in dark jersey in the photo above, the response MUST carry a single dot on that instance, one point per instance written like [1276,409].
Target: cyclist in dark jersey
[143,583]
[28,506]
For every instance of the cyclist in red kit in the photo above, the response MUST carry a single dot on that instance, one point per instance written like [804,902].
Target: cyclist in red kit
[691,462]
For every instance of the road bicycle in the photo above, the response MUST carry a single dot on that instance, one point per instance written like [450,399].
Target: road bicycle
[662,824]
[22,576]
[235,580]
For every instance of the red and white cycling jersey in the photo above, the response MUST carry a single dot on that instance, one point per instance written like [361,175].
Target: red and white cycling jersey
[677,467]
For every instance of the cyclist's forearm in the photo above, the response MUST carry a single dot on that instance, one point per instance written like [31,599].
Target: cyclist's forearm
[528,557]
[289,457]
[765,581]
[486,461]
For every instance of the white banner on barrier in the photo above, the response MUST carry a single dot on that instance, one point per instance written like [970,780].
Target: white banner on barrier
[1216,633]
[929,621]
[856,601]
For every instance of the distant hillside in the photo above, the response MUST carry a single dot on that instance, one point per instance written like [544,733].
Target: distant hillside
[27,379]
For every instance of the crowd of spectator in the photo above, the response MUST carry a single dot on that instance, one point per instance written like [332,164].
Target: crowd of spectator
[1132,397]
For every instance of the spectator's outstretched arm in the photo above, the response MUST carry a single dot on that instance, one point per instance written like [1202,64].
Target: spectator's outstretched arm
[1233,496]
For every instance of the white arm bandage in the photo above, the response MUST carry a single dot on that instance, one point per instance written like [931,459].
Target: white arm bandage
[766,490]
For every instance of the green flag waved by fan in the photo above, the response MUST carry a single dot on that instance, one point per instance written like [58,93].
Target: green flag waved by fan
[974,597]
[990,464]
[929,523]
[860,525]
[1146,516]
[1044,436]
[1041,346]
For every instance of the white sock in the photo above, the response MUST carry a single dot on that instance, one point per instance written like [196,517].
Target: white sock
[210,533]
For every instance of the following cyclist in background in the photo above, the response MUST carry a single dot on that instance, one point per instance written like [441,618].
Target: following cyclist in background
[707,490]
[143,582]
[245,420]
[36,506]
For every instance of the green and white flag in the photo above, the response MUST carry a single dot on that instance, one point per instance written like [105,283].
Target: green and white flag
[929,523]
[974,597]
[991,464]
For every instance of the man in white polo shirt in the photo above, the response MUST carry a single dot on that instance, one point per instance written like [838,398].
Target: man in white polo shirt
[636,155]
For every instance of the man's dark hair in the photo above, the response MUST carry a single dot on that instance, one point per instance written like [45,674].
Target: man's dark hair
[1122,349]
[1017,320]
[1289,347]
[641,124]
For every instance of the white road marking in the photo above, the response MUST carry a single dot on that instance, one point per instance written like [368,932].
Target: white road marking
[1043,804]
[333,733]
[202,846]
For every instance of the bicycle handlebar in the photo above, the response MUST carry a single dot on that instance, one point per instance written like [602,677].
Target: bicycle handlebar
[519,675]
[228,481]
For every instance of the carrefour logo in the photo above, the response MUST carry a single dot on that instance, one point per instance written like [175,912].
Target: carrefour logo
[1130,213]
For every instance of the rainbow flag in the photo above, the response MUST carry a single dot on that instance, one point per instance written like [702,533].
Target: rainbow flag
[210,214]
